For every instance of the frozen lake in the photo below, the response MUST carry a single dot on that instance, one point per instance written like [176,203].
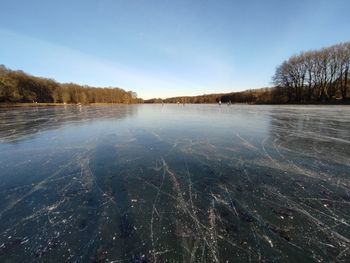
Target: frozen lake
[174,183]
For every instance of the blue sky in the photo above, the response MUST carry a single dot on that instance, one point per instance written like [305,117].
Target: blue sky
[165,48]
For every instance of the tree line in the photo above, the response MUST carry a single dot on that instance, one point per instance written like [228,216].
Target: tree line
[17,87]
[252,96]
[316,75]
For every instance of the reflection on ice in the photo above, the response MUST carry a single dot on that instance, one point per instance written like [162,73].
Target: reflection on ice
[20,123]
[173,183]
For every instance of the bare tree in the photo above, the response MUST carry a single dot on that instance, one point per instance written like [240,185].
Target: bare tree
[316,75]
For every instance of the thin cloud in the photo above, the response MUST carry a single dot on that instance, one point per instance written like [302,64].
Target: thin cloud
[70,65]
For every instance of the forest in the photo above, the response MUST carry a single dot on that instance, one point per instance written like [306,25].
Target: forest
[19,87]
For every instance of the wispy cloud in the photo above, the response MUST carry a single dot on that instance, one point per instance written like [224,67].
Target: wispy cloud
[70,65]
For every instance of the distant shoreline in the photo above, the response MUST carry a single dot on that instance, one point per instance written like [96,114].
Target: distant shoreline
[26,104]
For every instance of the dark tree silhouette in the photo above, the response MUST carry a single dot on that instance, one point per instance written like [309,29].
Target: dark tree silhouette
[321,75]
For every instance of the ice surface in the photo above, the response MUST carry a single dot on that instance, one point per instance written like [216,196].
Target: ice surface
[174,183]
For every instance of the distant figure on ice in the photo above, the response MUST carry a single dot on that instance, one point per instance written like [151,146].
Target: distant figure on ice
[219,102]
